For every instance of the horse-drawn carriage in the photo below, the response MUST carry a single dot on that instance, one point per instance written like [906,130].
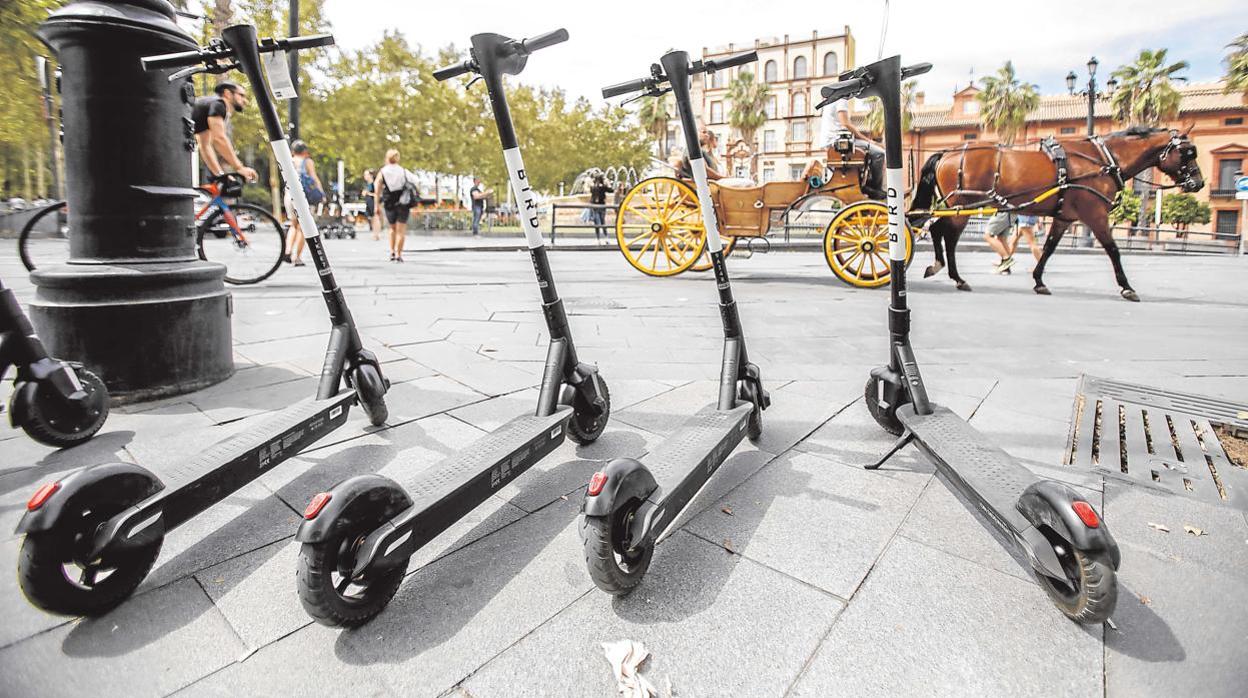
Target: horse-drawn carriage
[659,227]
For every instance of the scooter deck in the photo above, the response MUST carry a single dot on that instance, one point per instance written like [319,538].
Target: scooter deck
[977,466]
[695,450]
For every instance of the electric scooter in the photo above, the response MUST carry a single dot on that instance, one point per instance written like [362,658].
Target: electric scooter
[357,537]
[93,536]
[57,403]
[1067,543]
[629,506]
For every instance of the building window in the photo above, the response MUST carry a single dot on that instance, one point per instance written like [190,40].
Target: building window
[799,67]
[830,66]
[1067,130]
[969,136]
[970,106]
[1227,224]
[717,112]
[769,174]
[799,132]
[769,141]
[799,104]
[769,107]
[717,79]
[1226,173]
[769,72]
[795,172]
[1233,121]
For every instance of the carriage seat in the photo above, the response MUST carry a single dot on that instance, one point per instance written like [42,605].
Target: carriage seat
[745,211]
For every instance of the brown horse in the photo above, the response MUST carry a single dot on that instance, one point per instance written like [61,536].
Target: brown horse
[1096,170]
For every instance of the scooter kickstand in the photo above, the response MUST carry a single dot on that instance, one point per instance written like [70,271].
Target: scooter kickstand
[901,443]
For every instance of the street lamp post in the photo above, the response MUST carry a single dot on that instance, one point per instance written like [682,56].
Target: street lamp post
[1090,92]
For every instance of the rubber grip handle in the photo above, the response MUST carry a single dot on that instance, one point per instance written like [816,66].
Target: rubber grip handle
[541,41]
[838,90]
[625,88]
[916,69]
[451,71]
[738,59]
[298,43]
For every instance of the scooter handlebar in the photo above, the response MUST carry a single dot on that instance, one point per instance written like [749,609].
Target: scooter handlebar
[840,90]
[541,41]
[629,87]
[451,71]
[175,60]
[730,61]
[218,51]
[916,69]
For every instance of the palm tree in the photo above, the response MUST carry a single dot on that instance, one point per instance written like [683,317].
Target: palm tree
[1237,65]
[875,117]
[1005,102]
[654,117]
[1145,94]
[749,108]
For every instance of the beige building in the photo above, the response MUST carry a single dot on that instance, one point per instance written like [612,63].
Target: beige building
[794,68]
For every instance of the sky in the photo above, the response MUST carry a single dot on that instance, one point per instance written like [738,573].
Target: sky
[615,41]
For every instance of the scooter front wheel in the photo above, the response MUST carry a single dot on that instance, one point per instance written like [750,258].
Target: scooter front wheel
[613,568]
[50,420]
[370,388]
[57,575]
[326,588]
[886,417]
[585,427]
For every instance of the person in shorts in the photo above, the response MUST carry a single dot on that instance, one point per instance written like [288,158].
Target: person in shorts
[389,195]
[1026,228]
[995,235]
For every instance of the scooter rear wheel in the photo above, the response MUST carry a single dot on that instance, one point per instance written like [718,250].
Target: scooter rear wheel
[886,417]
[613,569]
[585,427]
[55,575]
[52,422]
[327,591]
[1090,590]
[370,388]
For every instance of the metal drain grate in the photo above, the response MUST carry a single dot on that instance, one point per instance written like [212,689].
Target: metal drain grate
[1163,439]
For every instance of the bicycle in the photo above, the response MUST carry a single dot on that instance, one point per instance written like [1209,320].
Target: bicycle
[247,239]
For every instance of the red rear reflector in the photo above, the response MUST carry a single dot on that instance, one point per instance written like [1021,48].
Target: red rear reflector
[596,483]
[41,495]
[314,507]
[1087,514]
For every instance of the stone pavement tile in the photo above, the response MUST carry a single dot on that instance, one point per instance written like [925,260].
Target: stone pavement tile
[797,409]
[1047,398]
[255,593]
[405,370]
[251,329]
[21,619]
[304,663]
[665,412]
[926,623]
[1022,435]
[400,335]
[228,407]
[470,368]
[452,616]
[782,516]
[149,646]
[852,437]
[421,397]
[700,611]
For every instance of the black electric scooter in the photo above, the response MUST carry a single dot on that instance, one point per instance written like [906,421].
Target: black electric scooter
[357,538]
[629,506]
[1066,542]
[93,536]
[57,403]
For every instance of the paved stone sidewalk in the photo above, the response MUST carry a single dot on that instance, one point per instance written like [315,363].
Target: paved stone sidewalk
[796,572]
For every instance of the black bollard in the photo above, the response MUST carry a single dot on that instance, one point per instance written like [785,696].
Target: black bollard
[134,303]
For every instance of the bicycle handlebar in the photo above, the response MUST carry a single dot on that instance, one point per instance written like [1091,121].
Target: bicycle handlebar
[522,47]
[216,51]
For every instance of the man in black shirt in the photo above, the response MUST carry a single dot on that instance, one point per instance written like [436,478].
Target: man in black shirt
[211,115]
[598,197]
[478,197]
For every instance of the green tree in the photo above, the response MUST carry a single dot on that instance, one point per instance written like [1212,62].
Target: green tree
[654,116]
[1005,102]
[1126,208]
[875,114]
[23,134]
[1182,210]
[1145,93]
[1237,65]
[748,113]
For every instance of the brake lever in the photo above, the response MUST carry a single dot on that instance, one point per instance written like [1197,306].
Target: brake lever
[475,79]
[656,92]
[187,72]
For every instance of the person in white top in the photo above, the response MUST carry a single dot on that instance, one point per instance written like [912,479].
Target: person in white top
[394,194]
[835,119]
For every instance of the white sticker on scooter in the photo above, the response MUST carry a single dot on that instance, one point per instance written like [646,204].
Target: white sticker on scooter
[277,67]
[335,412]
[294,187]
[526,200]
[713,243]
[896,214]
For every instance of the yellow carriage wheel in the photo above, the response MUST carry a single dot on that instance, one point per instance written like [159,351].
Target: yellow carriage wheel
[659,227]
[704,261]
[856,244]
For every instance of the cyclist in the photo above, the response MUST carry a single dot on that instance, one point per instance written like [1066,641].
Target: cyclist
[211,115]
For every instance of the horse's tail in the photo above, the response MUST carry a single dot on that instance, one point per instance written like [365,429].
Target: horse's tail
[925,193]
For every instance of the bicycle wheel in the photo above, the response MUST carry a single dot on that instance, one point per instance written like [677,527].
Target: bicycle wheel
[252,251]
[44,243]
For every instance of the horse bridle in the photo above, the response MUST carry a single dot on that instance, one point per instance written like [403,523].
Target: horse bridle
[1187,158]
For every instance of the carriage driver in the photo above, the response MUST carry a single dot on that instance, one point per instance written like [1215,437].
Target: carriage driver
[835,119]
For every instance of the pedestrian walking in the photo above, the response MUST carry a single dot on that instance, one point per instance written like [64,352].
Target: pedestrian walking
[1026,229]
[396,196]
[478,197]
[598,189]
[313,190]
[999,226]
[370,203]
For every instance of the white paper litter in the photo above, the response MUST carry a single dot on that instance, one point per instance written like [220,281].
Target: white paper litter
[626,657]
